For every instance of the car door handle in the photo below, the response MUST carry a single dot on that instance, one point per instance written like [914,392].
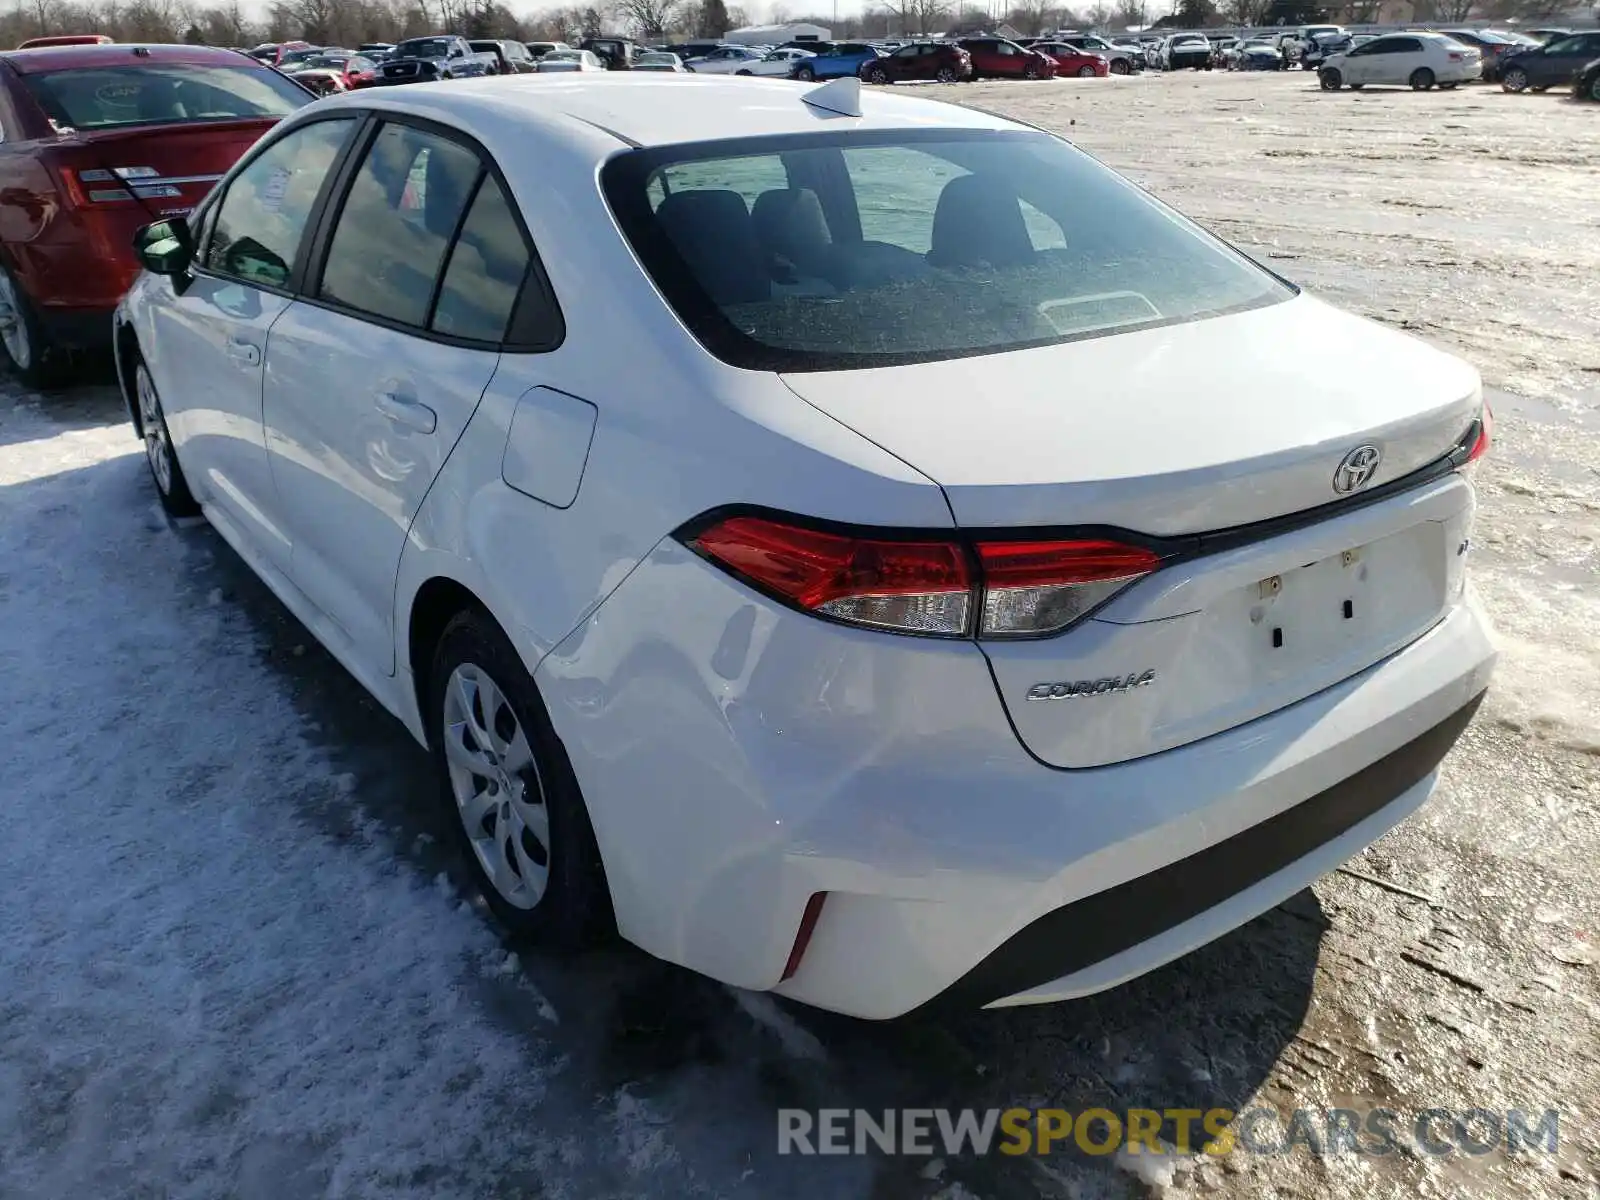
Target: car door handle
[413,414]
[246,354]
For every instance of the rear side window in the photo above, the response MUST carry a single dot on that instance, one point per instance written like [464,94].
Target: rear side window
[870,249]
[485,272]
[404,204]
[262,217]
[162,94]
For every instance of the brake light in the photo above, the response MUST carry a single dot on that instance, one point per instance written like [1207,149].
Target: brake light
[84,188]
[945,588]
[1485,435]
[1455,57]
[911,586]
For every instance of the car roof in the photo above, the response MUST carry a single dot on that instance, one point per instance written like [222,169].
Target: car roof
[648,111]
[67,58]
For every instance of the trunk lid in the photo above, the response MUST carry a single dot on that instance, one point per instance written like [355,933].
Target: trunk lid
[1210,426]
[168,169]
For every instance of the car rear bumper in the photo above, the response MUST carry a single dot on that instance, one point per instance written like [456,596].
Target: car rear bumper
[739,758]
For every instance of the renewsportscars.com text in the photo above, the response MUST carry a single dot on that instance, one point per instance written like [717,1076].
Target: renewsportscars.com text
[1214,1131]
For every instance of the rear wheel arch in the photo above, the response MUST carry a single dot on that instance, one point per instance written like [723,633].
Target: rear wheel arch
[435,605]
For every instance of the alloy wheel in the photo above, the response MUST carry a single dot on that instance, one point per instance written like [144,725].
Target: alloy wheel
[157,446]
[496,785]
[1514,80]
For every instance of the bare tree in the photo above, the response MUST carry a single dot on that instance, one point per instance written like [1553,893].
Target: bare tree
[647,18]
[1131,14]
[1032,16]
[1098,15]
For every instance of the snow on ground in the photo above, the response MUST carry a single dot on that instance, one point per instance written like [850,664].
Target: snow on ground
[200,995]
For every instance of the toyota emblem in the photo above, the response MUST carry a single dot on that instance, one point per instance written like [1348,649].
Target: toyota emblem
[1357,468]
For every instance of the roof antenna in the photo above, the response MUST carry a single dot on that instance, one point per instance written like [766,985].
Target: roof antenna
[841,96]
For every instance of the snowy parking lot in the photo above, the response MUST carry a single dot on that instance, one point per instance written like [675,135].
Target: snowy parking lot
[234,962]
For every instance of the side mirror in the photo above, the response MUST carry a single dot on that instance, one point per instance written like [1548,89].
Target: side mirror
[165,247]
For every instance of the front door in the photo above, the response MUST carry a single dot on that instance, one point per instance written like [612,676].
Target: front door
[213,337]
[374,374]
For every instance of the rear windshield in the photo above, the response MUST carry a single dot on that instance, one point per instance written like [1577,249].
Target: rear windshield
[837,250]
[162,94]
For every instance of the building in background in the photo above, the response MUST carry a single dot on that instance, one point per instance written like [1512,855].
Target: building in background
[776,35]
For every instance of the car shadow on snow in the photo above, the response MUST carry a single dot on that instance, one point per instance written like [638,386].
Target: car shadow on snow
[682,1077]
[712,1066]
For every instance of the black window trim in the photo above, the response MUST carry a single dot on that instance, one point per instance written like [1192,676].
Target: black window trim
[533,294]
[219,195]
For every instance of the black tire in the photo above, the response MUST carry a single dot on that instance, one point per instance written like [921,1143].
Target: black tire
[1540,87]
[1086,72]
[804,74]
[1030,70]
[1514,80]
[1447,87]
[574,911]
[1330,79]
[876,74]
[1421,80]
[945,75]
[40,363]
[1119,66]
[1594,89]
[172,488]
[1356,87]
[741,72]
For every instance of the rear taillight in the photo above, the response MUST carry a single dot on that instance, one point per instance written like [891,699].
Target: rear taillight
[93,186]
[910,586]
[1455,57]
[1481,436]
[1035,588]
[941,588]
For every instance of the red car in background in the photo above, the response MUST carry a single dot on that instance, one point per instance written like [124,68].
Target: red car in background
[361,71]
[96,141]
[272,53]
[943,61]
[1070,60]
[999,58]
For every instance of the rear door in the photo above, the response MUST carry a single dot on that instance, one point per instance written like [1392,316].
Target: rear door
[374,373]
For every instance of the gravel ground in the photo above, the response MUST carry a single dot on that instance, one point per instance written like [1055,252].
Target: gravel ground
[233,963]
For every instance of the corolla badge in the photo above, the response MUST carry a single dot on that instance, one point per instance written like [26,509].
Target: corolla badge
[1357,468]
[1075,688]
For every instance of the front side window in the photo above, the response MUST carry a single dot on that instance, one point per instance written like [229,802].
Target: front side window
[402,209]
[162,94]
[870,249]
[262,217]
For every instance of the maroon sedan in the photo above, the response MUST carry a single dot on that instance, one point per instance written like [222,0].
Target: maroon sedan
[944,61]
[998,58]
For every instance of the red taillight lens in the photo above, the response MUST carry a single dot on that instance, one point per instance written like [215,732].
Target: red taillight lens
[1018,589]
[1033,588]
[910,586]
[85,187]
[1480,445]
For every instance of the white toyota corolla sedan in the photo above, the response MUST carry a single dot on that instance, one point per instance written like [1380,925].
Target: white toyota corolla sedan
[825,535]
